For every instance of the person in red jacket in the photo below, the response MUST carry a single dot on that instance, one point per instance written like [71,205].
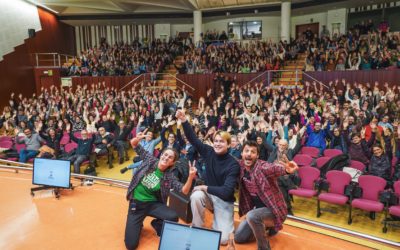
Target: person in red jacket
[259,196]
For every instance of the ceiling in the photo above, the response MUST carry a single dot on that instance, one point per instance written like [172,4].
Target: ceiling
[88,7]
[78,12]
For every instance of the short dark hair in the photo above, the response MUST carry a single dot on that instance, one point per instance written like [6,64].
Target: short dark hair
[251,143]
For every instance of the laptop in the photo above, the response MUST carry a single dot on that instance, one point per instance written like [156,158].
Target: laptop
[184,237]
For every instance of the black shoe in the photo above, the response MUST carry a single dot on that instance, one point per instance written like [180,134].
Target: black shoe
[290,212]
[157,225]
[123,170]
[272,232]
[110,166]
[126,158]
[121,160]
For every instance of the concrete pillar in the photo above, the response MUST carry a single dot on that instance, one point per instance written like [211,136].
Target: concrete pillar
[197,24]
[285,20]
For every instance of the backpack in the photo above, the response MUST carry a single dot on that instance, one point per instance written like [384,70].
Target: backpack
[336,163]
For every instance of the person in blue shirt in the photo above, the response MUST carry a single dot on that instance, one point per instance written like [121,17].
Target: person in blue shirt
[317,136]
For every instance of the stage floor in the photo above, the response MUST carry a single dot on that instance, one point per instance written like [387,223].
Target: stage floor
[93,217]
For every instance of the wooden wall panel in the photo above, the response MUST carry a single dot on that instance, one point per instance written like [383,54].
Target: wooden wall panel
[16,70]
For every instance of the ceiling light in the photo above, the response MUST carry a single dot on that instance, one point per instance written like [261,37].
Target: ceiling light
[255,11]
[254,22]
[230,23]
[42,5]
[228,13]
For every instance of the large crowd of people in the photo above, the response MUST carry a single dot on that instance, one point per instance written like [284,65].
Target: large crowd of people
[363,47]
[361,120]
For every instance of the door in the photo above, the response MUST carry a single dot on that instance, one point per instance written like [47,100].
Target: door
[301,28]
[46,81]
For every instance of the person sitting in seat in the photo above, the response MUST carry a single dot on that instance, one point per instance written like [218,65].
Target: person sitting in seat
[82,151]
[103,146]
[32,142]
[121,133]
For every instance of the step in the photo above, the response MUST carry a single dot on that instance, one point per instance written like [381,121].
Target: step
[299,67]
[170,71]
[167,77]
[292,74]
[167,81]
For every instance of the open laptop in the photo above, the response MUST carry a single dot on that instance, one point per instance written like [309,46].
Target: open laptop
[184,237]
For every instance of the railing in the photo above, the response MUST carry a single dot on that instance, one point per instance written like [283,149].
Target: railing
[52,59]
[313,79]
[275,76]
[151,77]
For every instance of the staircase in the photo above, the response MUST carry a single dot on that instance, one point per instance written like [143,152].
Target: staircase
[288,77]
[168,79]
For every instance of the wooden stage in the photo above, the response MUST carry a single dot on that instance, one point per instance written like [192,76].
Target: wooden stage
[93,217]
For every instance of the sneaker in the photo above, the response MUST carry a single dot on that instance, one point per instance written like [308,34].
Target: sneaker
[157,226]
[272,232]
[123,170]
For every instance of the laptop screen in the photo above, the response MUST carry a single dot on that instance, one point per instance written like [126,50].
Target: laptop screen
[183,237]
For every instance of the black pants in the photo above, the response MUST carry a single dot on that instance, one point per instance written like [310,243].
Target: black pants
[104,151]
[122,148]
[134,221]
[285,184]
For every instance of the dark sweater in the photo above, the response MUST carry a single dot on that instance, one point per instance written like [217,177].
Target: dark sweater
[84,146]
[222,171]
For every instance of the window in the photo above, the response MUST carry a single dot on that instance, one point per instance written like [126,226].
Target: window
[245,30]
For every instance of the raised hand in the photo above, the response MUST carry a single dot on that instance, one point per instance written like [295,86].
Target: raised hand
[135,141]
[192,169]
[180,115]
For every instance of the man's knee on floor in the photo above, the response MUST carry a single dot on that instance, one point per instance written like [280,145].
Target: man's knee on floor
[131,244]
[239,238]
[251,216]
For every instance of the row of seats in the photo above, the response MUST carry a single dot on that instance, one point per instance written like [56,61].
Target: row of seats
[337,182]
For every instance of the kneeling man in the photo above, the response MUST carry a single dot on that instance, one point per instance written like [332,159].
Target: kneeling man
[259,196]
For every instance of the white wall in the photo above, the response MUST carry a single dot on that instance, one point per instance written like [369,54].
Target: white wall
[180,28]
[320,18]
[270,25]
[337,16]
[16,17]
[162,29]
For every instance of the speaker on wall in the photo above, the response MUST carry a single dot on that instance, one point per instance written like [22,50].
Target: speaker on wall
[31,33]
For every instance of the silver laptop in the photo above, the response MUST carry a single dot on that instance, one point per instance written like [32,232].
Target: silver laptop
[183,237]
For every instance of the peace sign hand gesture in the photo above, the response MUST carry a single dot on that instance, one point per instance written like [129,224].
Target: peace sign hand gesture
[192,169]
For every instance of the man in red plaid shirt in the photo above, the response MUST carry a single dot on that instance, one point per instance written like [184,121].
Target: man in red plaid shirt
[259,197]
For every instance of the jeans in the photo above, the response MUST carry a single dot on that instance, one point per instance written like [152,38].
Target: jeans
[223,213]
[77,160]
[25,154]
[254,227]
[135,218]
[134,166]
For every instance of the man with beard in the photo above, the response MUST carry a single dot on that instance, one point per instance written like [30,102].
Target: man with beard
[259,196]
[317,136]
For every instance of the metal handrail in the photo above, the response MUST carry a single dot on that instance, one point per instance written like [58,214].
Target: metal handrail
[131,81]
[193,89]
[56,58]
[263,73]
[326,86]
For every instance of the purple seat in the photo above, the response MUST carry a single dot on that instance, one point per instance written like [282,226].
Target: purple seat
[369,201]
[332,152]
[337,181]
[357,165]
[65,139]
[311,151]
[395,209]
[18,147]
[321,161]
[308,176]
[6,144]
[5,138]
[303,160]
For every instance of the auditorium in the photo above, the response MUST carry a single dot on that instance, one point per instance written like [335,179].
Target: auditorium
[200,124]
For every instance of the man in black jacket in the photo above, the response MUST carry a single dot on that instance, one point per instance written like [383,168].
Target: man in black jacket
[221,175]
[121,133]
[82,151]
[103,146]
